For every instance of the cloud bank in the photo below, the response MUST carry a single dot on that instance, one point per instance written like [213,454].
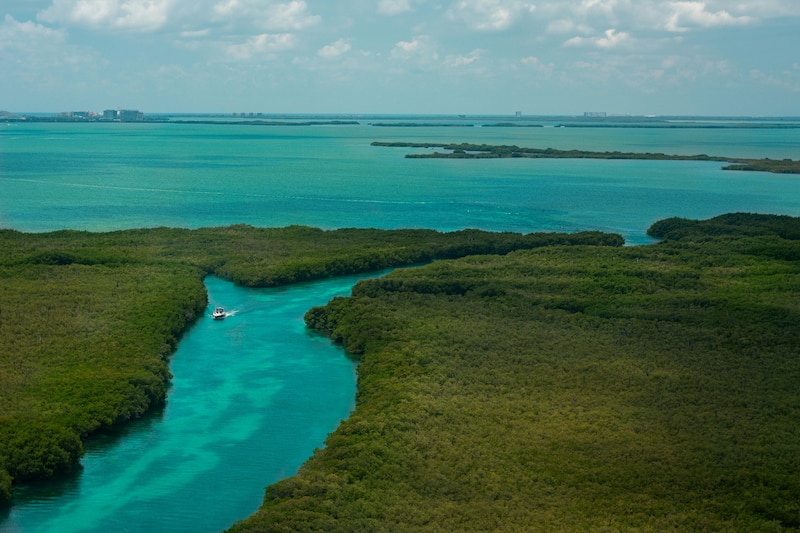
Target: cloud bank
[576,49]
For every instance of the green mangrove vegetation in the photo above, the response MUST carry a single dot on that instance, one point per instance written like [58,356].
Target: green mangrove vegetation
[583,388]
[88,320]
[485,151]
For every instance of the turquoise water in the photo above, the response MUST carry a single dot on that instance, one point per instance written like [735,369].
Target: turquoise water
[253,395]
[113,176]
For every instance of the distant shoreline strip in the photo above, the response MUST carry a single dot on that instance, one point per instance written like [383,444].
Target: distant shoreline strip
[484,151]
[475,122]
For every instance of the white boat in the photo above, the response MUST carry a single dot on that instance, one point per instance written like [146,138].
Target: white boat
[218,314]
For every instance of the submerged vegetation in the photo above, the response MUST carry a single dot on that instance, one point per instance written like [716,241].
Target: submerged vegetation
[649,388]
[88,320]
[485,151]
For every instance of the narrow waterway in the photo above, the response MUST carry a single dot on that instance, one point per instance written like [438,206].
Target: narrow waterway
[252,397]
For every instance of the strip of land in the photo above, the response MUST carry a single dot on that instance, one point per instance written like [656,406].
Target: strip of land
[269,122]
[570,389]
[542,382]
[88,321]
[485,151]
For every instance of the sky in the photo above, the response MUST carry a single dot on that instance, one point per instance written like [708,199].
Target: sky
[497,57]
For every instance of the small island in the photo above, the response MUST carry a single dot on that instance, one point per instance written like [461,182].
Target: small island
[485,151]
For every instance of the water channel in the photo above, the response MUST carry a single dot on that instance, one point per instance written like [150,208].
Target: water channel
[252,397]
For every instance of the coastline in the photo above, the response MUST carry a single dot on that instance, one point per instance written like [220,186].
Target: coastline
[93,368]
[569,389]
[483,151]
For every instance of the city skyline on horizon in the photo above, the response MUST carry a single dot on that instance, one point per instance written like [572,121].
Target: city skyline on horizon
[98,113]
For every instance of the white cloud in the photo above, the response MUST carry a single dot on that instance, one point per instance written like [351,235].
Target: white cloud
[414,46]
[458,60]
[334,49]
[684,16]
[229,8]
[670,61]
[722,67]
[29,45]
[566,15]
[41,60]
[597,7]
[290,16]
[611,39]
[788,79]
[595,72]
[535,63]
[15,35]
[263,46]
[561,16]
[195,34]
[656,43]
[420,50]
[488,15]
[142,15]
[266,14]
[758,8]
[559,26]
[393,7]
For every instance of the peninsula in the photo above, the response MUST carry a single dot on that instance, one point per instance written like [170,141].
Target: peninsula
[89,320]
[588,388]
[540,382]
[485,151]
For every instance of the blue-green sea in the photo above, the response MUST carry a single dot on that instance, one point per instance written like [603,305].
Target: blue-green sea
[110,176]
[255,394]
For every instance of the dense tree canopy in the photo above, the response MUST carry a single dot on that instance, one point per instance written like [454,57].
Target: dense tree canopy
[650,388]
[88,320]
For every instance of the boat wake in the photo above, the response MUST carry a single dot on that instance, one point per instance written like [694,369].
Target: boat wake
[221,313]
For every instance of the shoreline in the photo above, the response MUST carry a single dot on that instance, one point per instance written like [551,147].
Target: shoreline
[484,151]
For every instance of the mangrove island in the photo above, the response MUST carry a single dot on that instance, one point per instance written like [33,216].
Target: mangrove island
[485,151]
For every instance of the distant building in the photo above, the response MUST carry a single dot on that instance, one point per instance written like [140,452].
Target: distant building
[130,115]
[595,114]
[110,114]
[518,114]
[75,115]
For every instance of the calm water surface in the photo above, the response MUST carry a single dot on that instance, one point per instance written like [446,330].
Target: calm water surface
[255,394]
[114,176]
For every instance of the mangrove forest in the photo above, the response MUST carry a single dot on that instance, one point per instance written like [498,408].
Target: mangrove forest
[88,320]
[580,388]
[507,382]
